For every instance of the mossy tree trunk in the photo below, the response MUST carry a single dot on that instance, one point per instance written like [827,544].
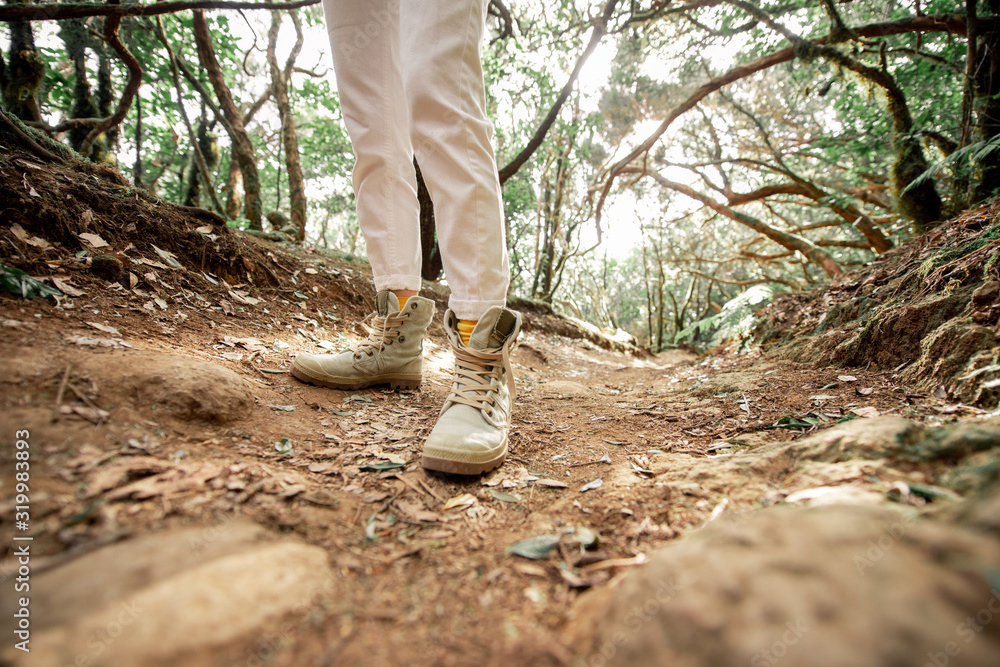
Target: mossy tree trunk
[20,78]
[986,108]
[76,38]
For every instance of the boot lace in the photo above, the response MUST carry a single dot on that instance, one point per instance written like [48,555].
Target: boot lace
[477,374]
[382,331]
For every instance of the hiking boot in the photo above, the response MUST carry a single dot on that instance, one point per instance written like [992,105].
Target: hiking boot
[392,354]
[470,436]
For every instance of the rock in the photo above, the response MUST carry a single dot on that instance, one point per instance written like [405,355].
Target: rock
[975,473]
[987,292]
[158,598]
[188,388]
[108,267]
[954,442]
[809,587]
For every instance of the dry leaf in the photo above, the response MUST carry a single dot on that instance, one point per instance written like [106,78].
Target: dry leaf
[19,232]
[551,483]
[865,412]
[204,229]
[847,378]
[105,328]
[459,502]
[66,288]
[94,240]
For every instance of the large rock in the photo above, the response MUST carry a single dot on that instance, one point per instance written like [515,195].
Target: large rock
[186,387]
[805,587]
[164,598]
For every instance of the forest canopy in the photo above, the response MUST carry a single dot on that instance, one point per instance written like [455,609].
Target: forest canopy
[658,158]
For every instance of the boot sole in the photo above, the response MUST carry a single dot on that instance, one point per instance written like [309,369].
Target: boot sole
[394,381]
[463,467]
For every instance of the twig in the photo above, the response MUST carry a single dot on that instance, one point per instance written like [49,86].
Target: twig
[62,386]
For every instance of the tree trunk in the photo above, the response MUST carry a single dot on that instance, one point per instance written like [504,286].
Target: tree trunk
[76,38]
[430,254]
[986,110]
[23,72]
[234,202]
[137,169]
[289,136]
[234,120]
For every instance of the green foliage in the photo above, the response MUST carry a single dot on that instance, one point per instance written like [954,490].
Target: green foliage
[734,322]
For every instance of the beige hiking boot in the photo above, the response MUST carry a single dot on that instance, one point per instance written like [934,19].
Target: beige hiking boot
[392,354]
[470,436]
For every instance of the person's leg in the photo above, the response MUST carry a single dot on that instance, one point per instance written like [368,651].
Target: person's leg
[451,136]
[443,79]
[365,40]
[364,35]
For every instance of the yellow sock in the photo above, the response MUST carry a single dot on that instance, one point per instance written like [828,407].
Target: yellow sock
[402,301]
[465,328]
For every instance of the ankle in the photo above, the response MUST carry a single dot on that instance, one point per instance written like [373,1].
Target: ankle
[403,295]
[465,329]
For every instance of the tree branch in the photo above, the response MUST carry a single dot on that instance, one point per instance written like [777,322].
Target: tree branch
[79,10]
[600,29]
[951,23]
[111,26]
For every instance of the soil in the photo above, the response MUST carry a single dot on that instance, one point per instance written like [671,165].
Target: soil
[170,447]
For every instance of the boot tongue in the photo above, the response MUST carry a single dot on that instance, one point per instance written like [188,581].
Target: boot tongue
[386,303]
[493,329]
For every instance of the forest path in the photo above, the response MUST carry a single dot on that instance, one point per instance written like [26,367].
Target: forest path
[158,458]
[160,473]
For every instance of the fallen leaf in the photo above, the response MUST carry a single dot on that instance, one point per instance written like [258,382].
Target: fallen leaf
[822,397]
[168,257]
[19,232]
[204,229]
[531,570]
[865,412]
[105,328]
[381,467]
[505,497]
[66,288]
[847,378]
[534,548]
[865,391]
[459,502]
[284,446]
[94,240]
[590,486]
[551,483]
[282,408]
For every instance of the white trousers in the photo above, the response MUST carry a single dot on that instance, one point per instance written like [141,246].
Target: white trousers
[410,79]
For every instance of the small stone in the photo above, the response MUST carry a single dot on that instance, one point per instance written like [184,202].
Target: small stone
[986,292]
[108,267]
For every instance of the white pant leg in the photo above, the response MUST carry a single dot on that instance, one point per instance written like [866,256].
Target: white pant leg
[443,77]
[364,37]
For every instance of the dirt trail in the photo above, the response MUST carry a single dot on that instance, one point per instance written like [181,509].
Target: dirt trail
[259,520]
